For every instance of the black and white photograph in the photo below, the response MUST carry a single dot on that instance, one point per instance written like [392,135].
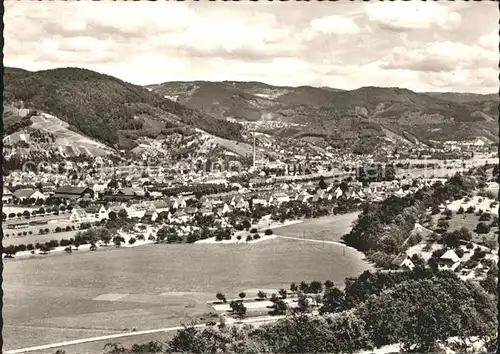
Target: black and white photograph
[250,177]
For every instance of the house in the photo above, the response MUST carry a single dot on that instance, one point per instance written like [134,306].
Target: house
[73,193]
[337,193]
[48,188]
[281,198]
[27,194]
[7,196]
[222,209]
[162,205]
[403,262]
[241,204]
[78,215]
[206,212]
[191,210]
[181,216]
[449,261]
[150,214]
[259,201]
[127,193]
[97,212]
[179,203]
[137,210]
[303,197]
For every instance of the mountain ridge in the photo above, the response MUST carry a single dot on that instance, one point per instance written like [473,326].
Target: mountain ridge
[105,107]
[119,113]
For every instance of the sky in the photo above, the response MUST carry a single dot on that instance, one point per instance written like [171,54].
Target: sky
[422,46]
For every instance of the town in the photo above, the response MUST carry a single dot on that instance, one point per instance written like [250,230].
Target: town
[251,177]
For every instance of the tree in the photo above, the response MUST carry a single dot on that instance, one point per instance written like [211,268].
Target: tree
[122,214]
[283,293]
[117,241]
[279,307]
[131,241]
[303,303]
[304,287]
[329,284]
[448,214]
[315,287]
[322,184]
[261,295]
[242,295]
[105,237]
[221,297]
[294,288]
[443,225]
[238,308]
[26,214]
[483,228]
[333,301]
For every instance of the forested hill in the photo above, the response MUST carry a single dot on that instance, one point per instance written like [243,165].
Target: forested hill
[104,107]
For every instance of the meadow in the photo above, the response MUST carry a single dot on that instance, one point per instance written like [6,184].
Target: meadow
[328,228]
[71,296]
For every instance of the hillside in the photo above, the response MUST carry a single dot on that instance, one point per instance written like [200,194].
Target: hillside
[104,107]
[368,114]
[463,97]
[222,100]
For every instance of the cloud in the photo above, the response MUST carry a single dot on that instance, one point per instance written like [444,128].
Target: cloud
[490,40]
[411,15]
[378,44]
[335,25]
[439,57]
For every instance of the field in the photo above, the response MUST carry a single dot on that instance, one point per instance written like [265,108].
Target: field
[328,228]
[71,296]
[67,137]
[35,237]
[469,221]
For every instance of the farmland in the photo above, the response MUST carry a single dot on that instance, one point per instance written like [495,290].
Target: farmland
[94,293]
[328,228]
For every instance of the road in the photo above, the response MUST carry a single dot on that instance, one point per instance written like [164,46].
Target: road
[131,334]
[311,240]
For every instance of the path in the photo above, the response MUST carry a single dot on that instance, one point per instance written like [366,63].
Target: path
[311,240]
[130,334]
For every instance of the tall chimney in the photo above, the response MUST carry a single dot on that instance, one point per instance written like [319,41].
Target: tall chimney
[254,149]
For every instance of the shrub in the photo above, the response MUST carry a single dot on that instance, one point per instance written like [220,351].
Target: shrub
[256,236]
[470,210]
[249,238]
[381,259]
[30,247]
[438,253]
[131,241]
[460,252]
[485,217]
[253,231]
[460,211]
[483,228]
[478,254]
[268,232]
[238,237]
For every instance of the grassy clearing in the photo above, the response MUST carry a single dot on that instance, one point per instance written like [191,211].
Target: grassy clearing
[328,228]
[57,292]
[469,221]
